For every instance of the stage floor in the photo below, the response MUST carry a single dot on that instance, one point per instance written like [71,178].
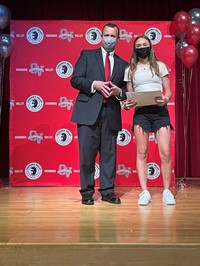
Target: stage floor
[50,226]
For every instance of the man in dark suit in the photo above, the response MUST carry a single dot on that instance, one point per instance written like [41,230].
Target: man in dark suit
[97,112]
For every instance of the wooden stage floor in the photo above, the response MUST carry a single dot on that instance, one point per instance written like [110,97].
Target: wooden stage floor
[50,226]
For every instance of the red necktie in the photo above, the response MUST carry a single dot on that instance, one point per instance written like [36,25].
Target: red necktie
[107,68]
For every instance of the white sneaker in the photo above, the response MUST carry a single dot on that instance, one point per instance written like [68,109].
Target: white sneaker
[168,197]
[144,198]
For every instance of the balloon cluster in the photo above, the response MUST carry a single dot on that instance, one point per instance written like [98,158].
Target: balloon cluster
[187,26]
[6,45]
[6,41]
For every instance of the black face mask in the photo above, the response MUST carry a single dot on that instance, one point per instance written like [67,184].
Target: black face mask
[143,52]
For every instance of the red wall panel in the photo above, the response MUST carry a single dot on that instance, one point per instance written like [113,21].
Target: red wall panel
[43,141]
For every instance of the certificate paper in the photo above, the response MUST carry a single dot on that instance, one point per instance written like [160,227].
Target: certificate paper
[143,98]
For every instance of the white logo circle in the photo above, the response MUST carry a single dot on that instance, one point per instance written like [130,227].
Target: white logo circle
[63,137]
[64,69]
[153,171]
[97,171]
[35,35]
[34,103]
[154,35]
[93,35]
[33,171]
[123,137]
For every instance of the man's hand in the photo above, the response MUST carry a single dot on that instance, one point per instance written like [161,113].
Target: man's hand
[115,91]
[103,88]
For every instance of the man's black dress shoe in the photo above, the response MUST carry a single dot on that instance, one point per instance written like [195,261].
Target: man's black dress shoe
[88,200]
[111,198]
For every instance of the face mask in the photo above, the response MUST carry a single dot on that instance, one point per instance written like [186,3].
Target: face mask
[109,43]
[143,52]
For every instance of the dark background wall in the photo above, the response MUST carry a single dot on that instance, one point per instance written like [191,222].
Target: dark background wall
[98,10]
[141,10]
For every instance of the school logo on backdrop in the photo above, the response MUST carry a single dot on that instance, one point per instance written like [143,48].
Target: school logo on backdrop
[35,35]
[125,35]
[154,35]
[66,35]
[64,170]
[35,136]
[97,171]
[63,137]
[93,35]
[123,137]
[153,171]
[36,69]
[33,171]
[64,69]
[12,103]
[65,103]
[34,103]
[123,170]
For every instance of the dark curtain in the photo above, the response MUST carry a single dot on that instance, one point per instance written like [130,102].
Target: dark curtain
[187,147]
[146,10]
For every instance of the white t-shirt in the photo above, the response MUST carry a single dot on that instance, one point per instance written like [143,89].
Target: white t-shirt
[143,79]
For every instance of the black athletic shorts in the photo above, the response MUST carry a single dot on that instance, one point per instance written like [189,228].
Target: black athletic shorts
[152,117]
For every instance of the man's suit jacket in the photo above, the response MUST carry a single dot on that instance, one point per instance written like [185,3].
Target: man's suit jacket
[88,68]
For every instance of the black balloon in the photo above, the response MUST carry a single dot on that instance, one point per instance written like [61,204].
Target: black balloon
[195,16]
[6,45]
[5,16]
[180,45]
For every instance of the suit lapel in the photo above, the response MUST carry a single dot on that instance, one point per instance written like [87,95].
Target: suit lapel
[115,67]
[100,62]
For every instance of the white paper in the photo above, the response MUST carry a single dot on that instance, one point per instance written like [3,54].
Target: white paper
[143,98]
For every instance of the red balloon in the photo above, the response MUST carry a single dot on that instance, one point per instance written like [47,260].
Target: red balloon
[189,55]
[181,21]
[193,34]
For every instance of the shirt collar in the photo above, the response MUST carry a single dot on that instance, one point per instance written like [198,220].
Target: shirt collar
[104,52]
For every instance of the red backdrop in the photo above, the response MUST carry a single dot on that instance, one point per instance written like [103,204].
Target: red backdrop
[43,141]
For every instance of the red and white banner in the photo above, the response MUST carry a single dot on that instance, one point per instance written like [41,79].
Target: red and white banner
[43,141]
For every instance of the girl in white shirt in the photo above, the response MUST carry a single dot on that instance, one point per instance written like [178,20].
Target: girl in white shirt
[146,73]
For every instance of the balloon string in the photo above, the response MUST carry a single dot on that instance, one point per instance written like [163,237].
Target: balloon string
[187,97]
[2,63]
[188,107]
[185,122]
[182,183]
